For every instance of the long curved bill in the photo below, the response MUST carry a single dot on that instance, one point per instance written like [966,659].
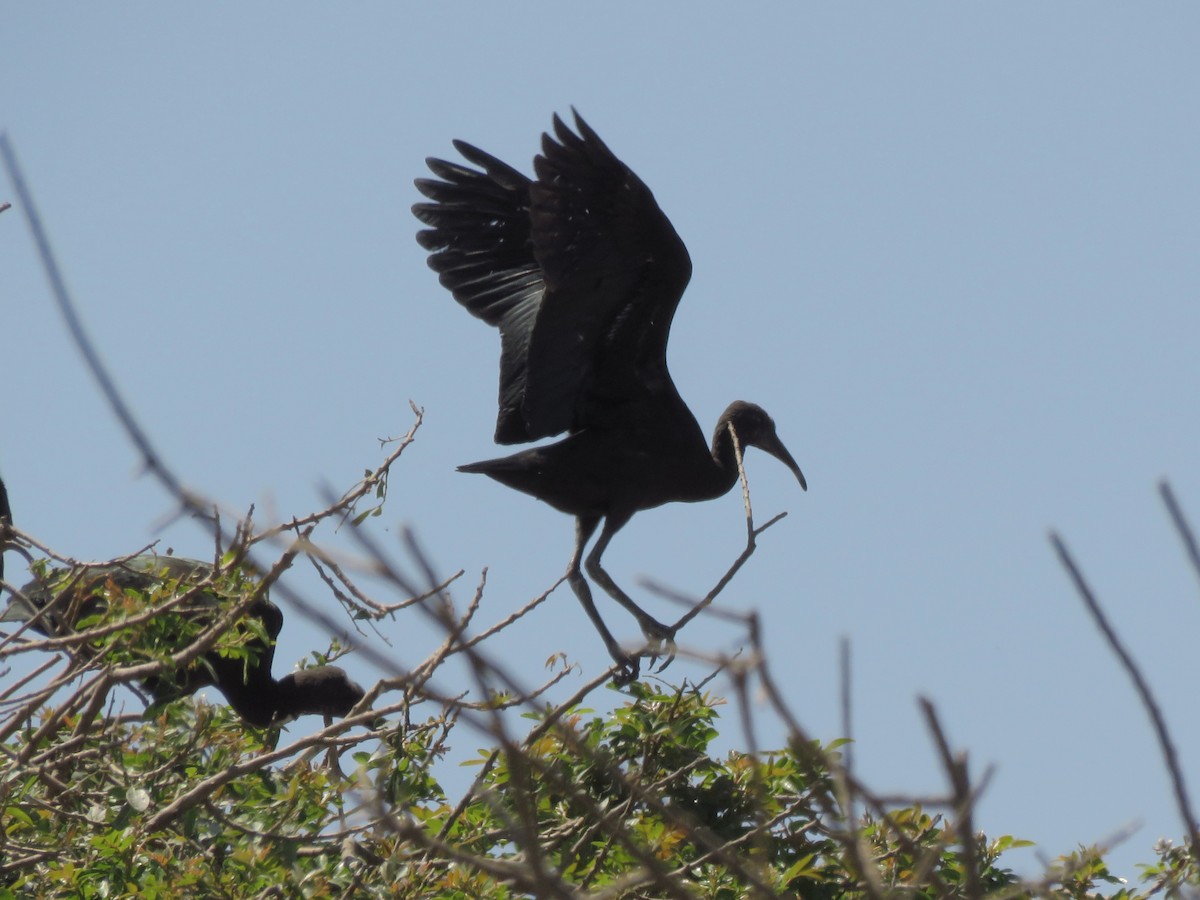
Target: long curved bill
[774,446]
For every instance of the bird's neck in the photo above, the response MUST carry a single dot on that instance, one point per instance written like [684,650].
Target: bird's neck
[725,473]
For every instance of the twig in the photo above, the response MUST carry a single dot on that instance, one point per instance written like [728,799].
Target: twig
[58,287]
[955,765]
[846,671]
[1181,524]
[752,534]
[1140,684]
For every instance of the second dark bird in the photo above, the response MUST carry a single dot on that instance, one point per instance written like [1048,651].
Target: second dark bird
[581,272]
[57,603]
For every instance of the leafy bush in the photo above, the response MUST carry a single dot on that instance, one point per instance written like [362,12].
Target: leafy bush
[630,804]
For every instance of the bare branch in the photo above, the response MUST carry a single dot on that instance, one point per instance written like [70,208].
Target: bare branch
[1165,743]
[955,766]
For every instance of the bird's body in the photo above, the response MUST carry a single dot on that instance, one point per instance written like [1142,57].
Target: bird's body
[619,471]
[62,602]
[581,272]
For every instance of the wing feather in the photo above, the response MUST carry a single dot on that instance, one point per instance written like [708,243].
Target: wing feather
[480,247]
[579,268]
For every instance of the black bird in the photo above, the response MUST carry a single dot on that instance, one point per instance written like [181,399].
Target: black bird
[581,272]
[58,602]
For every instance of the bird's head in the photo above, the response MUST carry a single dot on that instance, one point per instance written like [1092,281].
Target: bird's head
[754,428]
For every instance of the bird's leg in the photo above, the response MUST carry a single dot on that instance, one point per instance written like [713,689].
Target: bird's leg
[655,631]
[584,529]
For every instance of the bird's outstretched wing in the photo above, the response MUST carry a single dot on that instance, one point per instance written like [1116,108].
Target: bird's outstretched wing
[479,244]
[579,269]
[615,270]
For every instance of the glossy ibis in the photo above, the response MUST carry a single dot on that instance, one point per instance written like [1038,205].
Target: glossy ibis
[581,272]
[58,602]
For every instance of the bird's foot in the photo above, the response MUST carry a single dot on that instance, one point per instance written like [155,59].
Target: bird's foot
[655,649]
[628,669]
[660,641]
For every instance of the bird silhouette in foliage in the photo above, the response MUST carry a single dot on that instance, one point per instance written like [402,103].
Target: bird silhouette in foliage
[64,601]
[581,272]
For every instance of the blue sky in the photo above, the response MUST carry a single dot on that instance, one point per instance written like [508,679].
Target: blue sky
[950,247]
